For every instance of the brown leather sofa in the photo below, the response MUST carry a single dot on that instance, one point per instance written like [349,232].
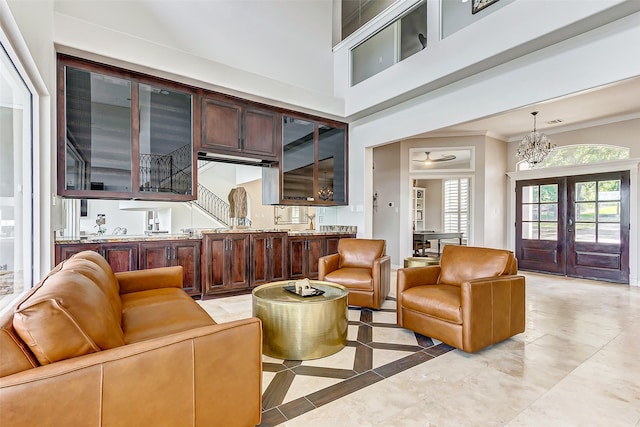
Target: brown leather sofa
[362,267]
[87,347]
[473,299]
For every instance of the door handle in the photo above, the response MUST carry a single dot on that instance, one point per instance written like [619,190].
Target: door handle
[570,225]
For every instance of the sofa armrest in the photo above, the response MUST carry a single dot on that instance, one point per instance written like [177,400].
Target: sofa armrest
[152,278]
[493,309]
[206,376]
[327,264]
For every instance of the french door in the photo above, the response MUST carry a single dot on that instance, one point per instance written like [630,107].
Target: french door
[576,226]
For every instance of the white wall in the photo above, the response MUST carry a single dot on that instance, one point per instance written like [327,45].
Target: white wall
[277,52]
[529,27]
[495,197]
[386,183]
[432,203]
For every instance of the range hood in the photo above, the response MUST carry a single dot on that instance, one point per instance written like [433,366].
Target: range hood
[238,160]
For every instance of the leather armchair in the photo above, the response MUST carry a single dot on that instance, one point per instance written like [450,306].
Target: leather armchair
[473,299]
[362,266]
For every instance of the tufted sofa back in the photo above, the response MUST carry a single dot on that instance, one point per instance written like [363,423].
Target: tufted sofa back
[78,301]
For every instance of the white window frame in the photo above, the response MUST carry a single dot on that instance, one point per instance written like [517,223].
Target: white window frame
[36,164]
[458,212]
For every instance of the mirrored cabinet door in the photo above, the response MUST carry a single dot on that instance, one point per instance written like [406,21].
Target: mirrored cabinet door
[331,164]
[165,140]
[98,137]
[298,159]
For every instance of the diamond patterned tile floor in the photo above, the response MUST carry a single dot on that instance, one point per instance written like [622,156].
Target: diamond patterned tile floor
[376,349]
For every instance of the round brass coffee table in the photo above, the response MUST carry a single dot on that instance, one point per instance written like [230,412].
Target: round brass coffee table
[301,328]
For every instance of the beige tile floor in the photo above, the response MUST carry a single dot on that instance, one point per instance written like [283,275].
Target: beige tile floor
[577,364]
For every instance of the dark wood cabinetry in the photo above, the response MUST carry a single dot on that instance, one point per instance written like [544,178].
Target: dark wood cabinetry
[234,127]
[332,244]
[313,164]
[225,262]
[185,253]
[136,255]
[268,257]
[121,256]
[65,251]
[304,253]
[123,135]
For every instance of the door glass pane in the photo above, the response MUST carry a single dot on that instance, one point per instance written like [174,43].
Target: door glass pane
[530,194]
[549,212]
[586,212]
[297,159]
[609,212]
[530,212]
[585,232]
[549,193]
[165,140]
[16,172]
[331,164]
[609,190]
[530,230]
[98,131]
[609,233]
[548,231]
[586,191]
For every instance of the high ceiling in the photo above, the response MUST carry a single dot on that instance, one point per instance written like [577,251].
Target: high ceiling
[599,105]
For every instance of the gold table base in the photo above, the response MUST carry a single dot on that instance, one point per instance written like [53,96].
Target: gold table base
[299,328]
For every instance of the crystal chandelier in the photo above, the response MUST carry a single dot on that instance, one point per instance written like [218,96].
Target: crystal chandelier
[535,147]
[326,192]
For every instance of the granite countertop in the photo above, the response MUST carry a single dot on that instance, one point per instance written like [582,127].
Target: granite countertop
[109,238]
[194,235]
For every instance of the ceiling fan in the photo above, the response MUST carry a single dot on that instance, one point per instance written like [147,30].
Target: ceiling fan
[428,159]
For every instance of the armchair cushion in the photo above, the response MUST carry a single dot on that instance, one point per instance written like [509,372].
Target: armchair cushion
[440,301]
[356,278]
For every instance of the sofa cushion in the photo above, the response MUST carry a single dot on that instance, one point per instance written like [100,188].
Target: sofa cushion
[14,354]
[360,253]
[439,301]
[102,263]
[104,279]
[159,312]
[67,316]
[459,264]
[353,278]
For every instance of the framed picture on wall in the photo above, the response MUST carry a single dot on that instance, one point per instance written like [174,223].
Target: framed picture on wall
[478,5]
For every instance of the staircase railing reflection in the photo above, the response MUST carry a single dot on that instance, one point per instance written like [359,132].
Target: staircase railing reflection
[167,172]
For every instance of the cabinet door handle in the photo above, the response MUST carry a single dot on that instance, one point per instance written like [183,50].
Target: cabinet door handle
[167,251]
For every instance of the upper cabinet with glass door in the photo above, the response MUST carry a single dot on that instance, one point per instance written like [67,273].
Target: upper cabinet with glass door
[122,135]
[313,167]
